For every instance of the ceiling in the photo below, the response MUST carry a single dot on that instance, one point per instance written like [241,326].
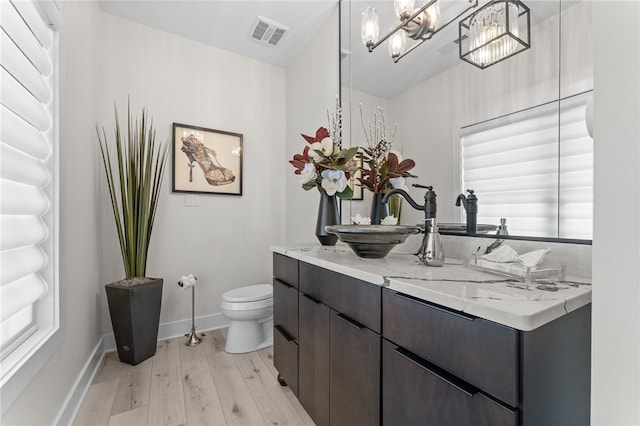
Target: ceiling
[226,24]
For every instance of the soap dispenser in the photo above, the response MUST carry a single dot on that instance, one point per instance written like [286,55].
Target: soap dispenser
[431,252]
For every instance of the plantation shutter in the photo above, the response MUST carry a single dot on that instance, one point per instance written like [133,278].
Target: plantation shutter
[516,164]
[26,189]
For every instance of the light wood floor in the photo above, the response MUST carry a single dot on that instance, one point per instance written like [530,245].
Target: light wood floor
[199,385]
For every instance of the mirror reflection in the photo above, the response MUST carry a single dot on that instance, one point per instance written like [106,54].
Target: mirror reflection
[516,132]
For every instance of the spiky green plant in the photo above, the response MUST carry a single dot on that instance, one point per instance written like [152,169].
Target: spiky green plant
[134,187]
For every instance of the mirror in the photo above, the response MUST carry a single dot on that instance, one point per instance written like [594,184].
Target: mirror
[439,101]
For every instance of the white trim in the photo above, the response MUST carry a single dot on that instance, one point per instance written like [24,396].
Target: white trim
[72,403]
[81,386]
[177,328]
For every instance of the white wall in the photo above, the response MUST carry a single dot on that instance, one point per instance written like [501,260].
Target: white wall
[615,381]
[225,241]
[312,86]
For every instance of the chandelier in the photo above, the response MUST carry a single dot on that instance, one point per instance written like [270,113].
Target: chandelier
[496,31]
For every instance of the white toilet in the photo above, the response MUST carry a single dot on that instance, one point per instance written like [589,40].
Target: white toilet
[250,313]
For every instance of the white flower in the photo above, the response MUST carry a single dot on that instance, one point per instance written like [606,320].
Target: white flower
[325,146]
[389,220]
[333,181]
[308,173]
[361,220]
[398,183]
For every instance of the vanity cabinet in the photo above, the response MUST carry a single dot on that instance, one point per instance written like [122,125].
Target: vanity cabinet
[361,354]
[452,368]
[338,344]
[285,320]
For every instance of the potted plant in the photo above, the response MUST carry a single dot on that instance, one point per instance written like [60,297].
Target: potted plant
[134,188]
[383,169]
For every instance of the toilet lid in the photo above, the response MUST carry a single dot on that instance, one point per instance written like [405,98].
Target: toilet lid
[251,293]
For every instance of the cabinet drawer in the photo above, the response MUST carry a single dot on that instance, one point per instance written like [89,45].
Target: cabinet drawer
[355,298]
[478,351]
[414,392]
[285,358]
[355,373]
[285,307]
[285,269]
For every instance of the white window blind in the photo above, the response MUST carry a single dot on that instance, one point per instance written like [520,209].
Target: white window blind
[534,168]
[28,248]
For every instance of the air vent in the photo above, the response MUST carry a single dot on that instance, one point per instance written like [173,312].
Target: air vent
[267,31]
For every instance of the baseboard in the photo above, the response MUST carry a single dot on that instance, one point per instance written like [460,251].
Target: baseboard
[81,386]
[107,344]
[170,330]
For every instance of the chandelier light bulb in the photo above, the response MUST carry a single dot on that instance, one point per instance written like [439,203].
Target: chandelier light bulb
[489,32]
[370,28]
[397,44]
[433,12]
[403,8]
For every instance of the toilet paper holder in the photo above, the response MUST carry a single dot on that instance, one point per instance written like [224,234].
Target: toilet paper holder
[192,337]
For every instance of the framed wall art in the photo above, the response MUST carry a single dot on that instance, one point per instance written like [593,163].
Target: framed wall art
[206,161]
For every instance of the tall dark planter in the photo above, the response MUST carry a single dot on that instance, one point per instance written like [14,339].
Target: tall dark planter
[135,317]
[379,210]
[328,214]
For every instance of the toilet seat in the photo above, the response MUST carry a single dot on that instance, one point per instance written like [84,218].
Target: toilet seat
[246,306]
[252,293]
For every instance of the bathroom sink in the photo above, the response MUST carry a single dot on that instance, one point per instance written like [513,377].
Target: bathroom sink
[372,241]
[461,228]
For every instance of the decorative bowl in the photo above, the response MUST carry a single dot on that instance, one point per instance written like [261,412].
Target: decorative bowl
[372,241]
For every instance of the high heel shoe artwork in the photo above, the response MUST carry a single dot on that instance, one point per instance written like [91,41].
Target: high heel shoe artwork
[197,152]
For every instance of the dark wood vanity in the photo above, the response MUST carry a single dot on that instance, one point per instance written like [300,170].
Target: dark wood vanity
[357,353]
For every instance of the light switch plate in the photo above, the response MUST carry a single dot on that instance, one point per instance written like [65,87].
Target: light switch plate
[191,200]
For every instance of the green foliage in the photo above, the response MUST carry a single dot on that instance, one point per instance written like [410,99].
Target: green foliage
[134,187]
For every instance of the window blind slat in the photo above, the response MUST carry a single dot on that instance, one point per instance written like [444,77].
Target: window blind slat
[12,23]
[19,294]
[17,166]
[33,19]
[19,100]
[19,263]
[23,70]
[18,198]
[21,135]
[20,231]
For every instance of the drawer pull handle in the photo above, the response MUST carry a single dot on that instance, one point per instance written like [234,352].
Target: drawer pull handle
[313,299]
[461,315]
[463,387]
[276,280]
[350,321]
[284,333]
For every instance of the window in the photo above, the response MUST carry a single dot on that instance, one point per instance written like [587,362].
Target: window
[29,313]
[535,168]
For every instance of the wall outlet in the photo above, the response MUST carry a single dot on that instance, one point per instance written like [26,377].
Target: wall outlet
[191,200]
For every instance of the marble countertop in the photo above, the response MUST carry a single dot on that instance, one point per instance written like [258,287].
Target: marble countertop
[486,295]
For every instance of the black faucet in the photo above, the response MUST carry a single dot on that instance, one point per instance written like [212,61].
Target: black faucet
[470,204]
[429,206]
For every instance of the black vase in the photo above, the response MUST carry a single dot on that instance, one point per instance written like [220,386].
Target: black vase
[379,210]
[328,214]
[135,317]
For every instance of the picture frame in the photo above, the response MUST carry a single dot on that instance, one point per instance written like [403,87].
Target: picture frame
[206,161]
[354,183]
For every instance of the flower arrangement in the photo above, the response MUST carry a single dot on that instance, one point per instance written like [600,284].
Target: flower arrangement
[323,163]
[383,168]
